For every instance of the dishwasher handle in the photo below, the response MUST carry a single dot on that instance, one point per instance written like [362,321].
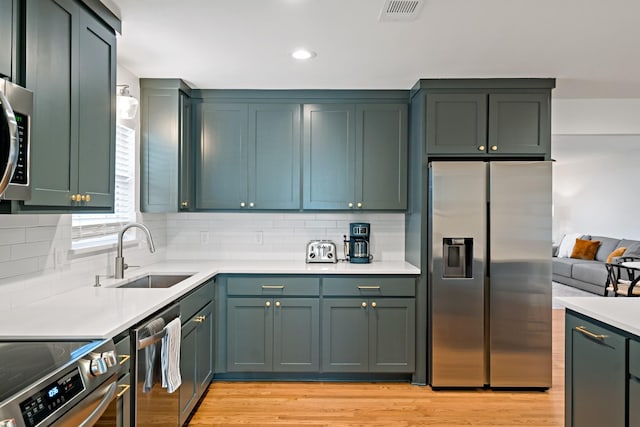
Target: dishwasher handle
[147,341]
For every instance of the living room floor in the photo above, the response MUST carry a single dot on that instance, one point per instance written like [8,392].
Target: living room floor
[389,404]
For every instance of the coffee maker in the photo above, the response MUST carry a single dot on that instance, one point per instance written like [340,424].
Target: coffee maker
[357,247]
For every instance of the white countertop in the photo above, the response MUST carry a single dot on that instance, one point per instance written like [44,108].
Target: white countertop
[621,312]
[99,313]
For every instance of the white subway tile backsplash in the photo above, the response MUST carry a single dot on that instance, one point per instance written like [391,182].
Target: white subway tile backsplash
[34,249]
[11,236]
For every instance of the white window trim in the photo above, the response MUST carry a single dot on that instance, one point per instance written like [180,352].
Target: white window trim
[98,232]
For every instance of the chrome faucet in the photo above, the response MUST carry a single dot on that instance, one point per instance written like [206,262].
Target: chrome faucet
[120,265]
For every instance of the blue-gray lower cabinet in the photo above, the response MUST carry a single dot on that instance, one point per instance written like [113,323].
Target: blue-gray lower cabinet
[634,383]
[273,334]
[595,374]
[196,359]
[368,335]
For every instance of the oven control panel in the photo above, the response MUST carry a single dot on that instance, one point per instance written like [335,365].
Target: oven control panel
[49,399]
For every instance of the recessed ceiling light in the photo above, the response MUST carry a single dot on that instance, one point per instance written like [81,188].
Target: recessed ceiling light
[303,54]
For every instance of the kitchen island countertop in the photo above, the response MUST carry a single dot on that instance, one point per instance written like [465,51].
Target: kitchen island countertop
[622,313]
[103,312]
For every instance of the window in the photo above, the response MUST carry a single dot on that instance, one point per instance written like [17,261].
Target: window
[91,230]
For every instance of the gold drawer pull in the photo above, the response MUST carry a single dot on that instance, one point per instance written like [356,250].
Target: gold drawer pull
[124,358]
[124,388]
[199,319]
[272,286]
[369,288]
[584,331]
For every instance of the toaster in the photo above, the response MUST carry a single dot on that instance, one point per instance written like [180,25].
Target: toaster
[321,251]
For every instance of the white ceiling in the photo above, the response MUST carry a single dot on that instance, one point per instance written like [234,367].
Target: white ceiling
[592,47]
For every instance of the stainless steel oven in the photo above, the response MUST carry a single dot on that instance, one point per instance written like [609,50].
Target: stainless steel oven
[56,383]
[16,113]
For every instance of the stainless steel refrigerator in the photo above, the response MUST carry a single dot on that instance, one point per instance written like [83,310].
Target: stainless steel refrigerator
[490,274]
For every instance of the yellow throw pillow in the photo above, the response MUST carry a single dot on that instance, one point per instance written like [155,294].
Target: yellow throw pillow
[585,249]
[615,253]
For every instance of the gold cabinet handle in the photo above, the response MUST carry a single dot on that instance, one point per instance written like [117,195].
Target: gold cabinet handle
[267,304]
[199,319]
[272,286]
[83,198]
[251,204]
[494,148]
[123,389]
[590,334]
[123,358]
[278,304]
[481,148]
[350,204]
[243,204]
[374,305]
[359,204]
[88,197]
[370,288]
[364,304]
[73,197]
[184,204]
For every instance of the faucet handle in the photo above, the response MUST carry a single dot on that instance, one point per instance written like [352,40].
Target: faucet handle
[97,283]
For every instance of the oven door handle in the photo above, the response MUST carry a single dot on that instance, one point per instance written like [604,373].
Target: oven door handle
[12,159]
[96,402]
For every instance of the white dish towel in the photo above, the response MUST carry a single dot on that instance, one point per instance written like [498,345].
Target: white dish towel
[170,356]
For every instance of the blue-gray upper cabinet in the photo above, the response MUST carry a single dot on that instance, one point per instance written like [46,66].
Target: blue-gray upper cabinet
[166,146]
[497,123]
[355,156]
[71,68]
[8,37]
[249,156]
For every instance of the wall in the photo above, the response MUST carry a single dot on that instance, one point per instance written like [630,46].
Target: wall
[595,180]
[36,260]
[276,236]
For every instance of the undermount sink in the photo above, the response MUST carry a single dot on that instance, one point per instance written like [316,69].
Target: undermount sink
[156,281]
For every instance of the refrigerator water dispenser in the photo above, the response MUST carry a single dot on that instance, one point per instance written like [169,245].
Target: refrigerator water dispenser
[457,256]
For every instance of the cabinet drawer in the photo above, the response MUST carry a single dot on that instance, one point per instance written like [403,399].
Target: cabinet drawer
[634,358]
[123,349]
[273,286]
[197,299]
[369,286]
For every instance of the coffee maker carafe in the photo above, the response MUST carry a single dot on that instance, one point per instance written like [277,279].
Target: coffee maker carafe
[358,243]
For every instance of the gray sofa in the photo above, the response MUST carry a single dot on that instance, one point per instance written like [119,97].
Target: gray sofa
[591,276]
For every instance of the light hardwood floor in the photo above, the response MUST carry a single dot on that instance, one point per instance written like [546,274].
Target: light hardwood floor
[384,404]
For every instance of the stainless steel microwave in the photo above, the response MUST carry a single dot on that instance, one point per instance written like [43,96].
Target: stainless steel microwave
[16,113]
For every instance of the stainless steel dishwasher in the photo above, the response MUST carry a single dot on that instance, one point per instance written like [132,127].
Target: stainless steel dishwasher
[153,404]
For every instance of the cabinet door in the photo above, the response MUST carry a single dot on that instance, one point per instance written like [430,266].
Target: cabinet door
[345,335]
[392,326]
[595,375]
[249,335]
[296,335]
[222,162]
[52,74]
[7,39]
[519,123]
[457,123]
[97,106]
[381,156]
[186,154]
[159,151]
[204,348]
[634,401]
[329,156]
[274,156]
[188,362]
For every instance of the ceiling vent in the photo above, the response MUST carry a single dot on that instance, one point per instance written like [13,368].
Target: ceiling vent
[401,10]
